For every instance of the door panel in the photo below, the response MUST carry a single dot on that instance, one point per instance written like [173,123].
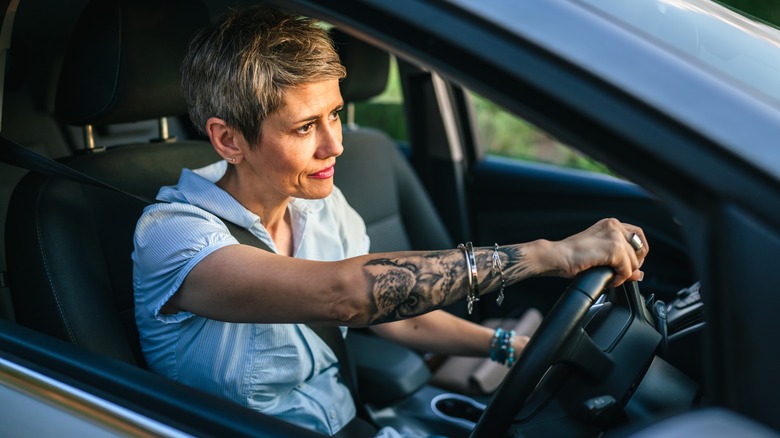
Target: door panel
[517,201]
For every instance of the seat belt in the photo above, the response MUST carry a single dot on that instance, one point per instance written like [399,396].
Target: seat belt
[17,155]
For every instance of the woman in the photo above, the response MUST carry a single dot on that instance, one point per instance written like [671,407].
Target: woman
[231,318]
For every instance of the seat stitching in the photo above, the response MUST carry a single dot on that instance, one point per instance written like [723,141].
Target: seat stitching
[46,264]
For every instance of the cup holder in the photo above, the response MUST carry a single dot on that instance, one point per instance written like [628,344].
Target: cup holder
[457,409]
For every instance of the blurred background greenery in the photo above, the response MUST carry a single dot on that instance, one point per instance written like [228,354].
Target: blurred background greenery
[766,10]
[506,135]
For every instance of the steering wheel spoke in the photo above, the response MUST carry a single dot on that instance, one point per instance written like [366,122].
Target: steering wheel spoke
[559,338]
[582,353]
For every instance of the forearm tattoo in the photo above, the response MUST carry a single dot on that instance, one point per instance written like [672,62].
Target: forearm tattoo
[417,283]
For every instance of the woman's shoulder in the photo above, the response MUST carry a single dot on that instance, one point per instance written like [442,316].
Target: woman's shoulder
[176,219]
[174,211]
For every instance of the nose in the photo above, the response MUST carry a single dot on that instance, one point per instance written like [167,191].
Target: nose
[330,142]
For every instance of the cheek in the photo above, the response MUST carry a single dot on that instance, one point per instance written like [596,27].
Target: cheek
[288,160]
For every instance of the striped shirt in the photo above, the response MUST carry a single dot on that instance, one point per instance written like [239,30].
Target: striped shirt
[284,370]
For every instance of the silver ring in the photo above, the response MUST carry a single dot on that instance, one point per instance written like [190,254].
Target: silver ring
[635,242]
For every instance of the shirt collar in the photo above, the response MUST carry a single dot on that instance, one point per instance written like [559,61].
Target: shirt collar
[198,187]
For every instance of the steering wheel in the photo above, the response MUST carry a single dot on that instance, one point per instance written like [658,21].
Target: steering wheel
[558,337]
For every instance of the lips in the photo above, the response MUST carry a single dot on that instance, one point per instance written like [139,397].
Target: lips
[324,173]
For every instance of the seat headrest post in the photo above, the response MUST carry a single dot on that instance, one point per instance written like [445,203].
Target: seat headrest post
[89,137]
[351,125]
[163,126]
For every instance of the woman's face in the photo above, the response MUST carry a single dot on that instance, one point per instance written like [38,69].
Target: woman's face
[300,142]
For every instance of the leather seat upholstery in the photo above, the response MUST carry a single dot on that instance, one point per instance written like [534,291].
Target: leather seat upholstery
[68,245]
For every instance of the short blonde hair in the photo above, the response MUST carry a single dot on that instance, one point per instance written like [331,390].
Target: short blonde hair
[239,68]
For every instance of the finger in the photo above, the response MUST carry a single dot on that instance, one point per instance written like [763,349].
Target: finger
[636,273]
[633,262]
[623,265]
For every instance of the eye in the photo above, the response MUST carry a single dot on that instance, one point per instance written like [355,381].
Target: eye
[305,129]
[335,115]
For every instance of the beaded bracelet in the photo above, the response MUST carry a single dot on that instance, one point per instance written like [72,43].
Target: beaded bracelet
[471,267]
[502,349]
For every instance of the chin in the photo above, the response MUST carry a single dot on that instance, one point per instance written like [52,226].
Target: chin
[316,193]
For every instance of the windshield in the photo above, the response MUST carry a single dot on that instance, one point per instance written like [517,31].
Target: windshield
[724,40]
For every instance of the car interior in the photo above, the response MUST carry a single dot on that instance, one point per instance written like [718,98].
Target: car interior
[114,112]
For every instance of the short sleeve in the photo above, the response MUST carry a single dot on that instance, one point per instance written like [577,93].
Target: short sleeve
[170,240]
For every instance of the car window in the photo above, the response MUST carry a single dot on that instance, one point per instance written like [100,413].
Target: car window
[385,111]
[501,133]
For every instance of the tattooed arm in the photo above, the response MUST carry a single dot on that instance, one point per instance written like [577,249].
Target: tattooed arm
[404,286]
[244,284]
[360,291]
[412,285]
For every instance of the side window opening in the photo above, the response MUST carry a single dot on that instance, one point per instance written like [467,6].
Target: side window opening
[506,135]
[385,111]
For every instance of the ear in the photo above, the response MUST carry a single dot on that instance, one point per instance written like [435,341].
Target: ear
[228,142]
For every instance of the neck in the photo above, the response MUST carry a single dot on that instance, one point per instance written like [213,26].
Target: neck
[271,209]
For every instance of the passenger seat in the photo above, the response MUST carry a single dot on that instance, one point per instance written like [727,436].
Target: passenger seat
[374,175]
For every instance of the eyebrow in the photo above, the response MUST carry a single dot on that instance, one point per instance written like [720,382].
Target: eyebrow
[310,119]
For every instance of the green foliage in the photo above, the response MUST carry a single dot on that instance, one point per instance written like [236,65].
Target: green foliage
[387,116]
[509,136]
[385,111]
[766,10]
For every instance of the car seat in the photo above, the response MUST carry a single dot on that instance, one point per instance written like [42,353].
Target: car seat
[68,245]
[374,175]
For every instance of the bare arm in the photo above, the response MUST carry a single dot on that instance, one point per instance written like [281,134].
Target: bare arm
[443,333]
[244,284]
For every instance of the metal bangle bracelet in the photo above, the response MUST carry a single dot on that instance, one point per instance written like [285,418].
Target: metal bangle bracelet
[471,268]
[474,295]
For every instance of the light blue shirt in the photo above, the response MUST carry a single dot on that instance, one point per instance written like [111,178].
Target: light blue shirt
[284,370]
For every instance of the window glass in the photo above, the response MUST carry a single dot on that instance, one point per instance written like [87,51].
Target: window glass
[385,111]
[504,134]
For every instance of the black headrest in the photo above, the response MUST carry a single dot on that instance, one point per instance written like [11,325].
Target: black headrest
[123,62]
[367,67]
